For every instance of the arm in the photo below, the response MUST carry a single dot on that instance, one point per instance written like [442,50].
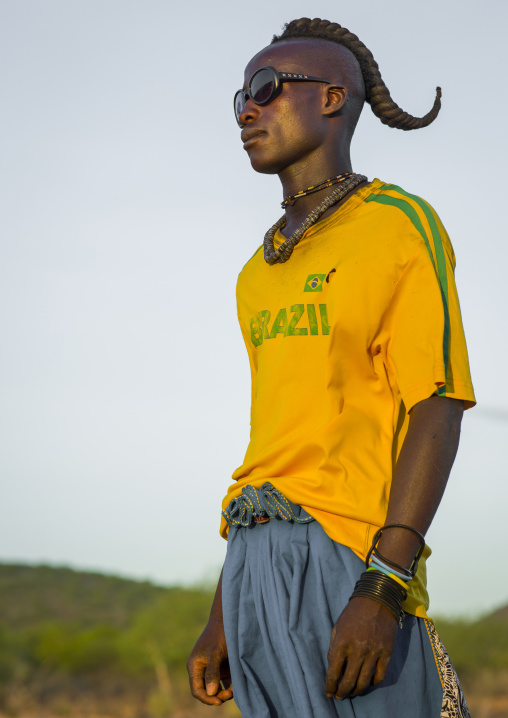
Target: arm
[363,637]
[208,663]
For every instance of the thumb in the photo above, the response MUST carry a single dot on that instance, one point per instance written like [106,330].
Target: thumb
[212,676]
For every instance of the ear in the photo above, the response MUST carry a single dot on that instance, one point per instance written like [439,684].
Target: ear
[336,99]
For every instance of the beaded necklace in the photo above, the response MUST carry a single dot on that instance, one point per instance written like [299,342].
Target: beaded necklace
[283,253]
[291,199]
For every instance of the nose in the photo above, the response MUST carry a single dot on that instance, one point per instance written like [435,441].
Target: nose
[249,112]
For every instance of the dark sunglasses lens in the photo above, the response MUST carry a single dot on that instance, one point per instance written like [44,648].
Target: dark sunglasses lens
[239,104]
[262,86]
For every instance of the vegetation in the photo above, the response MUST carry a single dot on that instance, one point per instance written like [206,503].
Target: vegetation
[476,645]
[74,642]
[84,623]
[68,635]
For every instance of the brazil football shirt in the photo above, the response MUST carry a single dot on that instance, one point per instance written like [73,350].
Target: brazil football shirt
[343,340]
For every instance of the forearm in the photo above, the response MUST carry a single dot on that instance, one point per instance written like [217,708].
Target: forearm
[421,474]
[209,676]
[216,610]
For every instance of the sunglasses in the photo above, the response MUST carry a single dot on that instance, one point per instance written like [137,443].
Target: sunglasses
[264,86]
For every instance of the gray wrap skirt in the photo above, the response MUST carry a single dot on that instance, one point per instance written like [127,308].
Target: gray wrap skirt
[284,586]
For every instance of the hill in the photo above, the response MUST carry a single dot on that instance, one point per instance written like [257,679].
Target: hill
[32,594]
[84,643]
[68,635]
[83,622]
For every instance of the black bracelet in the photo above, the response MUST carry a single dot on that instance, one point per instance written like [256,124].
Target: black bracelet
[411,571]
[383,589]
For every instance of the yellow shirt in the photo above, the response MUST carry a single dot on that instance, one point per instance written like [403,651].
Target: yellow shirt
[360,324]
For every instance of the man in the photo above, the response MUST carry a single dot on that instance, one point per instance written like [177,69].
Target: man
[359,380]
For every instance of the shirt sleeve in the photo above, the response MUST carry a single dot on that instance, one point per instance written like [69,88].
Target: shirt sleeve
[425,346]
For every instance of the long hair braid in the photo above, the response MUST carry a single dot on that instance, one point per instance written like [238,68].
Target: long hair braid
[376,92]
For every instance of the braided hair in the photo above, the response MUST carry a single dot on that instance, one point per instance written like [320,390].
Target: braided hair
[376,92]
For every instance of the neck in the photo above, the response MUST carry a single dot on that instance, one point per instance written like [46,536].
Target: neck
[302,175]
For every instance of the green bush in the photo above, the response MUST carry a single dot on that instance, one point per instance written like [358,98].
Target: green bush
[169,628]
[66,649]
[474,645]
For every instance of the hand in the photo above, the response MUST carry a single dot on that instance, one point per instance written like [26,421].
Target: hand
[360,648]
[208,666]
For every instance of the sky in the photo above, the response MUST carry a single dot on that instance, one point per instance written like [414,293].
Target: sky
[127,210]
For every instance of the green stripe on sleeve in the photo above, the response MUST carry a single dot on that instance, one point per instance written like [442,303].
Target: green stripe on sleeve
[441,268]
[441,276]
[436,236]
[411,213]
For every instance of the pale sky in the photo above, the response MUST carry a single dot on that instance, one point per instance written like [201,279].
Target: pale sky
[128,208]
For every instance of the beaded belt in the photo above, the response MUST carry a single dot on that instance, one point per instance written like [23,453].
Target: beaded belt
[259,506]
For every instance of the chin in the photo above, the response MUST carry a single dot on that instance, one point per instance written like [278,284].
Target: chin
[265,165]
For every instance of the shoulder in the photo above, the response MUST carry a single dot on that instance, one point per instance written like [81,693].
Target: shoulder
[250,272]
[256,256]
[401,204]
[411,217]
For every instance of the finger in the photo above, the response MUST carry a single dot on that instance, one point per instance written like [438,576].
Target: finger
[196,669]
[225,695]
[226,692]
[336,660]
[202,696]
[348,681]
[381,670]
[226,683]
[365,675]
[197,685]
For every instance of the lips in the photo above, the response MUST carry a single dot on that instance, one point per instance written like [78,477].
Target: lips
[250,136]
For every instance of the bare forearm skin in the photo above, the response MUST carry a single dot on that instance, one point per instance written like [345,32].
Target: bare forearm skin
[421,474]
[363,638]
[208,667]
[216,610]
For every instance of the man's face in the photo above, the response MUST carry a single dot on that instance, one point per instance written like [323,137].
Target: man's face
[291,127]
